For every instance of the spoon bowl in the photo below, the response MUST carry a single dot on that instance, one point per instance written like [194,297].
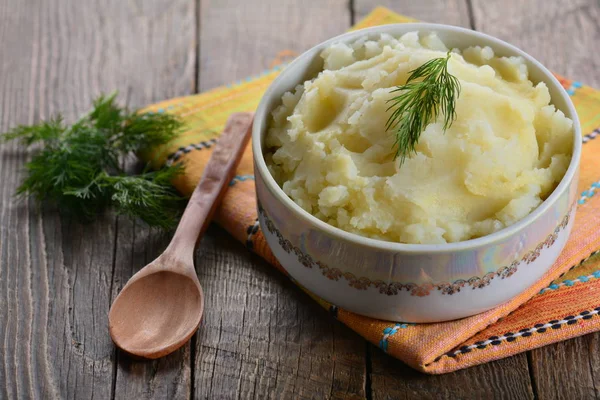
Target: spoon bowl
[161,306]
[161,309]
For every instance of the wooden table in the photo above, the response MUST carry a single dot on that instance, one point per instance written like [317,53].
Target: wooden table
[260,337]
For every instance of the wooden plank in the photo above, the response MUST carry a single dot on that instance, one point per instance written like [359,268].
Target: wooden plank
[14,244]
[238,39]
[56,274]
[564,370]
[452,12]
[503,379]
[562,35]
[592,347]
[260,337]
[163,60]
[51,345]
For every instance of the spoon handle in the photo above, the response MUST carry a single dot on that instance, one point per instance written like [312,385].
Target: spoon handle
[217,175]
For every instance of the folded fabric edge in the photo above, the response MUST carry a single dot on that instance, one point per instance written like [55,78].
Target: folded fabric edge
[579,316]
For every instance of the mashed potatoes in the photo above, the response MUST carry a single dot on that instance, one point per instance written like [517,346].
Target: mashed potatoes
[503,155]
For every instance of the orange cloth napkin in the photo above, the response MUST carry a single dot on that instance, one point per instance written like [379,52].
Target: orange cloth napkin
[565,303]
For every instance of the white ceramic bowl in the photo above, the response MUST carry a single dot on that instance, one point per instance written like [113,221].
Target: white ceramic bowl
[411,282]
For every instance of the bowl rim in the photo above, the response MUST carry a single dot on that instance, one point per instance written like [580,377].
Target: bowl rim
[338,233]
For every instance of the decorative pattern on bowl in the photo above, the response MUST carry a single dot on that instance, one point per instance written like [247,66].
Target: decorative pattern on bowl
[393,288]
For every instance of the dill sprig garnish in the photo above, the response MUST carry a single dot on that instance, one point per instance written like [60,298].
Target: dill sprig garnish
[429,90]
[79,167]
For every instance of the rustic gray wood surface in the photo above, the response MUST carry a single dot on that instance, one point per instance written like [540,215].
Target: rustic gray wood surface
[260,337]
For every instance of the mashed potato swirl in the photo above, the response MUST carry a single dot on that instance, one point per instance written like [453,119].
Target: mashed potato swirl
[504,154]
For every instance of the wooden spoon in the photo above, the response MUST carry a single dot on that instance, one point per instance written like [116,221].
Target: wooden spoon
[160,307]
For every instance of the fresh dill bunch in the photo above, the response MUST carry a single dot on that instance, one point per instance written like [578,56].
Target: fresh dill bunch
[429,90]
[79,167]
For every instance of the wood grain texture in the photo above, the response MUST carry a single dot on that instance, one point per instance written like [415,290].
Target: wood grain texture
[563,370]
[159,54]
[55,274]
[562,35]
[241,38]
[452,12]
[261,337]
